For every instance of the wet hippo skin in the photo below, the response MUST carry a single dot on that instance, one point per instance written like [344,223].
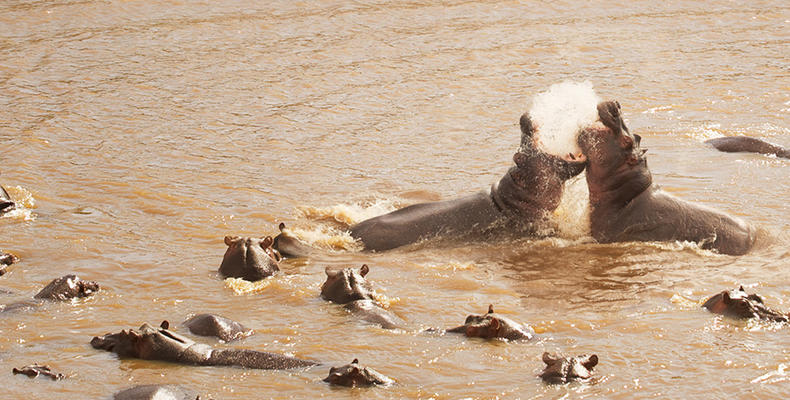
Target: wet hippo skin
[738,304]
[250,259]
[491,326]
[350,288]
[746,144]
[354,375]
[560,370]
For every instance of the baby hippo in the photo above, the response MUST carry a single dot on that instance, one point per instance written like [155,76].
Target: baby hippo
[250,259]
[353,374]
[491,326]
[561,370]
[350,288]
[219,327]
[738,304]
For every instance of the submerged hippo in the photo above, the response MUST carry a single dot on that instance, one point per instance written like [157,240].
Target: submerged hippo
[6,259]
[6,204]
[561,370]
[217,326]
[745,144]
[36,370]
[627,206]
[156,392]
[491,325]
[738,304]
[149,343]
[350,288]
[64,288]
[518,204]
[251,259]
[353,375]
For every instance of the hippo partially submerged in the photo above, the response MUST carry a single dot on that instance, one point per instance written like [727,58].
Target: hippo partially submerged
[66,287]
[6,204]
[738,304]
[36,370]
[744,144]
[251,259]
[561,370]
[6,259]
[149,343]
[350,288]
[354,375]
[626,206]
[156,392]
[491,326]
[220,327]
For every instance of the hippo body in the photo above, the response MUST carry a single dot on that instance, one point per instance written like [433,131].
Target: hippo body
[149,343]
[64,288]
[6,259]
[745,144]
[214,325]
[6,204]
[560,370]
[627,206]
[353,375]
[491,326]
[250,259]
[738,304]
[350,288]
[36,370]
[156,392]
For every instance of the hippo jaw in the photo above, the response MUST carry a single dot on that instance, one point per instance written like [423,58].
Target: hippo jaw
[563,167]
[560,370]
[251,259]
[352,375]
[68,287]
[346,285]
[738,304]
[149,343]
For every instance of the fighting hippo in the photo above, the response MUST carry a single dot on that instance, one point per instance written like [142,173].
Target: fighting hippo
[251,259]
[353,375]
[156,392]
[627,206]
[738,304]
[36,370]
[561,370]
[6,259]
[6,204]
[745,144]
[149,343]
[491,325]
[214,325]
[518,204]
[350,288]
[64,288]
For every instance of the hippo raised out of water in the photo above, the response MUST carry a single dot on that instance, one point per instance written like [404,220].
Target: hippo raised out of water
[214,325]
[350,288]
[149,343]
[251,259]
[354,375]
[738,304]
[561,370]
[64,288]
[491,325]
[519,204]
[745,144]
[626,205]
[6,204]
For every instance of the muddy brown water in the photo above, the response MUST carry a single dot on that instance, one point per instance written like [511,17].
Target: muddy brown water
[137,134]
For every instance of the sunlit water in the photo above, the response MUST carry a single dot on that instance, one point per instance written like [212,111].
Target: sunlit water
[137,134]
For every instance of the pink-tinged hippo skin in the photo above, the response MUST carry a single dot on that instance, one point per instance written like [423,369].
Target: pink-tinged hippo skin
[625,204]
[217,326]
[156,392]
[560,370]
[350,288]
[746,144]
[740,305]
[251,259]
[149,343]
[36,370]
[354,375]
[493,326]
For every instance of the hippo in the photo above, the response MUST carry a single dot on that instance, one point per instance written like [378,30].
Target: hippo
[353,375]
[744,144]
[60,289]
[156,392]
[250,259]
[518,204]
[149,343]
[561,370]
[214,325]
[6,204]
[738,304]
[6,259]
[491,325]
[36,370]
[350,288]
[625,205]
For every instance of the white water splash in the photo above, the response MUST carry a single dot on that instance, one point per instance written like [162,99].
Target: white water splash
[560,112]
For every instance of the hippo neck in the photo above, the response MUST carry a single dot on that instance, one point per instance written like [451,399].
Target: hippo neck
[614,189]
[527,192]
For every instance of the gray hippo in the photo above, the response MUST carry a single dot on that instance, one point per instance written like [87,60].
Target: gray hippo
[350,288]
[36,370]
[491,325]
[156,392]
[353,375]
[519,204]
[6,259]
[561,370]
[744,144]
[251,259]
[64,288]
[738,304]
[6,204]
[214,325]
[626,205]
[149,343]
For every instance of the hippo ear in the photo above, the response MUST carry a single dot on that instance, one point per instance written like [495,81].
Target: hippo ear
[330,272]
[165,325]
[495,324]
[725,297]
[590,362]
[266,242]
[228,240]
[364,270]
[527,128]
[490,308]
[549,358]
[742,289]
[281,226]
[355,361]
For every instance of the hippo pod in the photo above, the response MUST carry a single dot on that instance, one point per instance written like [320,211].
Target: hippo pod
[250,259]
[350,288]
[36,370]
[149,343]
[214,325]
[625,205]
[491,325]
[64,288]
[561,370]
[738,304]
[745,144]
[6,259]
[353,375]
[6,204]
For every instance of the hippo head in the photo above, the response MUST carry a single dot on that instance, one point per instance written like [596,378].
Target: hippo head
[346,285]
[530,154]
[147,343]
[251,259]
[67,287]
[738,304]
[5,201]
[490,326]
[561,370]
[352,375]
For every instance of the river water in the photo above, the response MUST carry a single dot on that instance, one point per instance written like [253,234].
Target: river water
[137,134]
